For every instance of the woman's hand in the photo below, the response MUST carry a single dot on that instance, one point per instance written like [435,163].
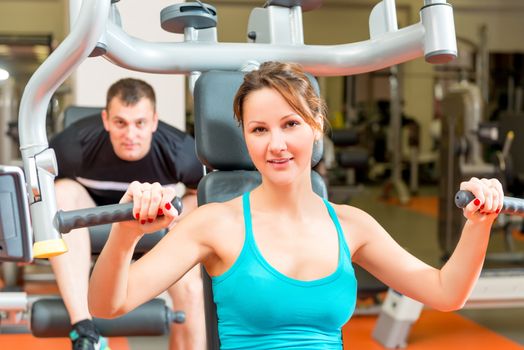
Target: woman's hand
[152,208]
[489,198]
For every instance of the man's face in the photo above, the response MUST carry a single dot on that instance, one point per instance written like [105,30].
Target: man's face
[130,127]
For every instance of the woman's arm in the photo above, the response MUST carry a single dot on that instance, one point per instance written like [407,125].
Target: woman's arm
[445,289]
[117,286]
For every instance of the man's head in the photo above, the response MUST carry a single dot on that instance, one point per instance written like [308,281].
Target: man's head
[130,118]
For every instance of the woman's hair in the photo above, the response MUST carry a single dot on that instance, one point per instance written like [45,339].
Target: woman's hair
[130,91]
[290,81]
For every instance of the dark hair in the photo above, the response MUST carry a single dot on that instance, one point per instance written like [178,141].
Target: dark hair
[290,81]
[130,91]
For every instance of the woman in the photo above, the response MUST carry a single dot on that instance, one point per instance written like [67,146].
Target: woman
[281,257]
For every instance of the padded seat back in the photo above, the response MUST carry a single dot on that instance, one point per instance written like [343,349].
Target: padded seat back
[72,114]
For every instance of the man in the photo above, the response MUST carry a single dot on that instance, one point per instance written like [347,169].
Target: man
[97,159]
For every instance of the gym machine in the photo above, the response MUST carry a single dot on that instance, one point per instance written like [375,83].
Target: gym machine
[48,316]
[495,288]
[460,157]
[96,30]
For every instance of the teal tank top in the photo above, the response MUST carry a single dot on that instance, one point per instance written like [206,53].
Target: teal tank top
[260,308]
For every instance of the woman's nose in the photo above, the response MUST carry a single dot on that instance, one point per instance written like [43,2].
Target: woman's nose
[277,142]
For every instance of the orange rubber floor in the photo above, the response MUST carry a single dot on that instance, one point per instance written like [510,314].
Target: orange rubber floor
[28,342]
[427,205]
[434,330]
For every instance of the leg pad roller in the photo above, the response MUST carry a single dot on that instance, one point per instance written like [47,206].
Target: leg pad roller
[49,318]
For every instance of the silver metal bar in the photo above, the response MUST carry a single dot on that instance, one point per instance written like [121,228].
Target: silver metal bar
[322,60]
[89,26]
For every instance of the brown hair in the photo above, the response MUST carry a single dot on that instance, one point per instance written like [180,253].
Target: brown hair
[290,81]
[130,91]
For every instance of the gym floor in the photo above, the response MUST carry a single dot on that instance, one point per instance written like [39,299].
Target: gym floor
[415,227]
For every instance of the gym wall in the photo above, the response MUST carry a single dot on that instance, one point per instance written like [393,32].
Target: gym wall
[338,21]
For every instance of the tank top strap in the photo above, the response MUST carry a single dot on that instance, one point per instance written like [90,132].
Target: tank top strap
[247,220]
[340,232]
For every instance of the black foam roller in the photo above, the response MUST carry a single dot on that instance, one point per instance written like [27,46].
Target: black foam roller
[49,318]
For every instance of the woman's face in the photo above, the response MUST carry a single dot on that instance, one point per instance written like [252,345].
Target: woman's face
[278,140]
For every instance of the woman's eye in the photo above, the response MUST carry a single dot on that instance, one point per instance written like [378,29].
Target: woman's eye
[258,130]
[292,123]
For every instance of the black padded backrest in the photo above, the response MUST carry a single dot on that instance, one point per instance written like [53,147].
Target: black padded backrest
[219,140]
[72,114]
[221,186]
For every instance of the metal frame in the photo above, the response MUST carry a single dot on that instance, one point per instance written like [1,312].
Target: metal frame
[97,21]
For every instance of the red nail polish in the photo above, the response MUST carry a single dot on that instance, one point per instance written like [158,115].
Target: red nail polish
[482,207]
[168,205]
[476,202]
[498,211]
[150,220]
[160,212]
[137,216]
[143,222]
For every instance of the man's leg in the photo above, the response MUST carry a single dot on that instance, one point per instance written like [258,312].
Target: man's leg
[72,268]
[188,296]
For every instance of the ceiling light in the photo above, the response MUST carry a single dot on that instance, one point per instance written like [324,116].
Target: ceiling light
[4,75]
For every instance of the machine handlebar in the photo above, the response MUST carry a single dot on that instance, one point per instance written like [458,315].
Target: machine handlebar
[66,221]
[511,205]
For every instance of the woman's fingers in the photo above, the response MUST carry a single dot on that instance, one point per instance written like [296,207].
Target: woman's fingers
[143,200]
[474,185]
[497,186]
[155,198]
[133,194]
[151,201]
[489,196]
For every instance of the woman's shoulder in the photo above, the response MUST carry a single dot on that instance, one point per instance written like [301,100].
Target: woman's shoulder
[218,224]
[347,212]
[219,214]
[358,226]
[354,219]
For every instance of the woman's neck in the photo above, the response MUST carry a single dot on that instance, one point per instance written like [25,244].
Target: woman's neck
[296,199]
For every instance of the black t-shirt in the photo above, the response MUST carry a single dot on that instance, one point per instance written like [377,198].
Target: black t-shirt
[84,153]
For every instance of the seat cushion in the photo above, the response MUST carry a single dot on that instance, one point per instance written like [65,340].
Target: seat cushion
[72,114]
[221,186]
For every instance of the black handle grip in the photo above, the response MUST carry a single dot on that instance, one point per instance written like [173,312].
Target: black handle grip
[510,205]
[66,221]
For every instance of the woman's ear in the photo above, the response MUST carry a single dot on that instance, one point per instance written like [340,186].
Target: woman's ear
[319,131]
